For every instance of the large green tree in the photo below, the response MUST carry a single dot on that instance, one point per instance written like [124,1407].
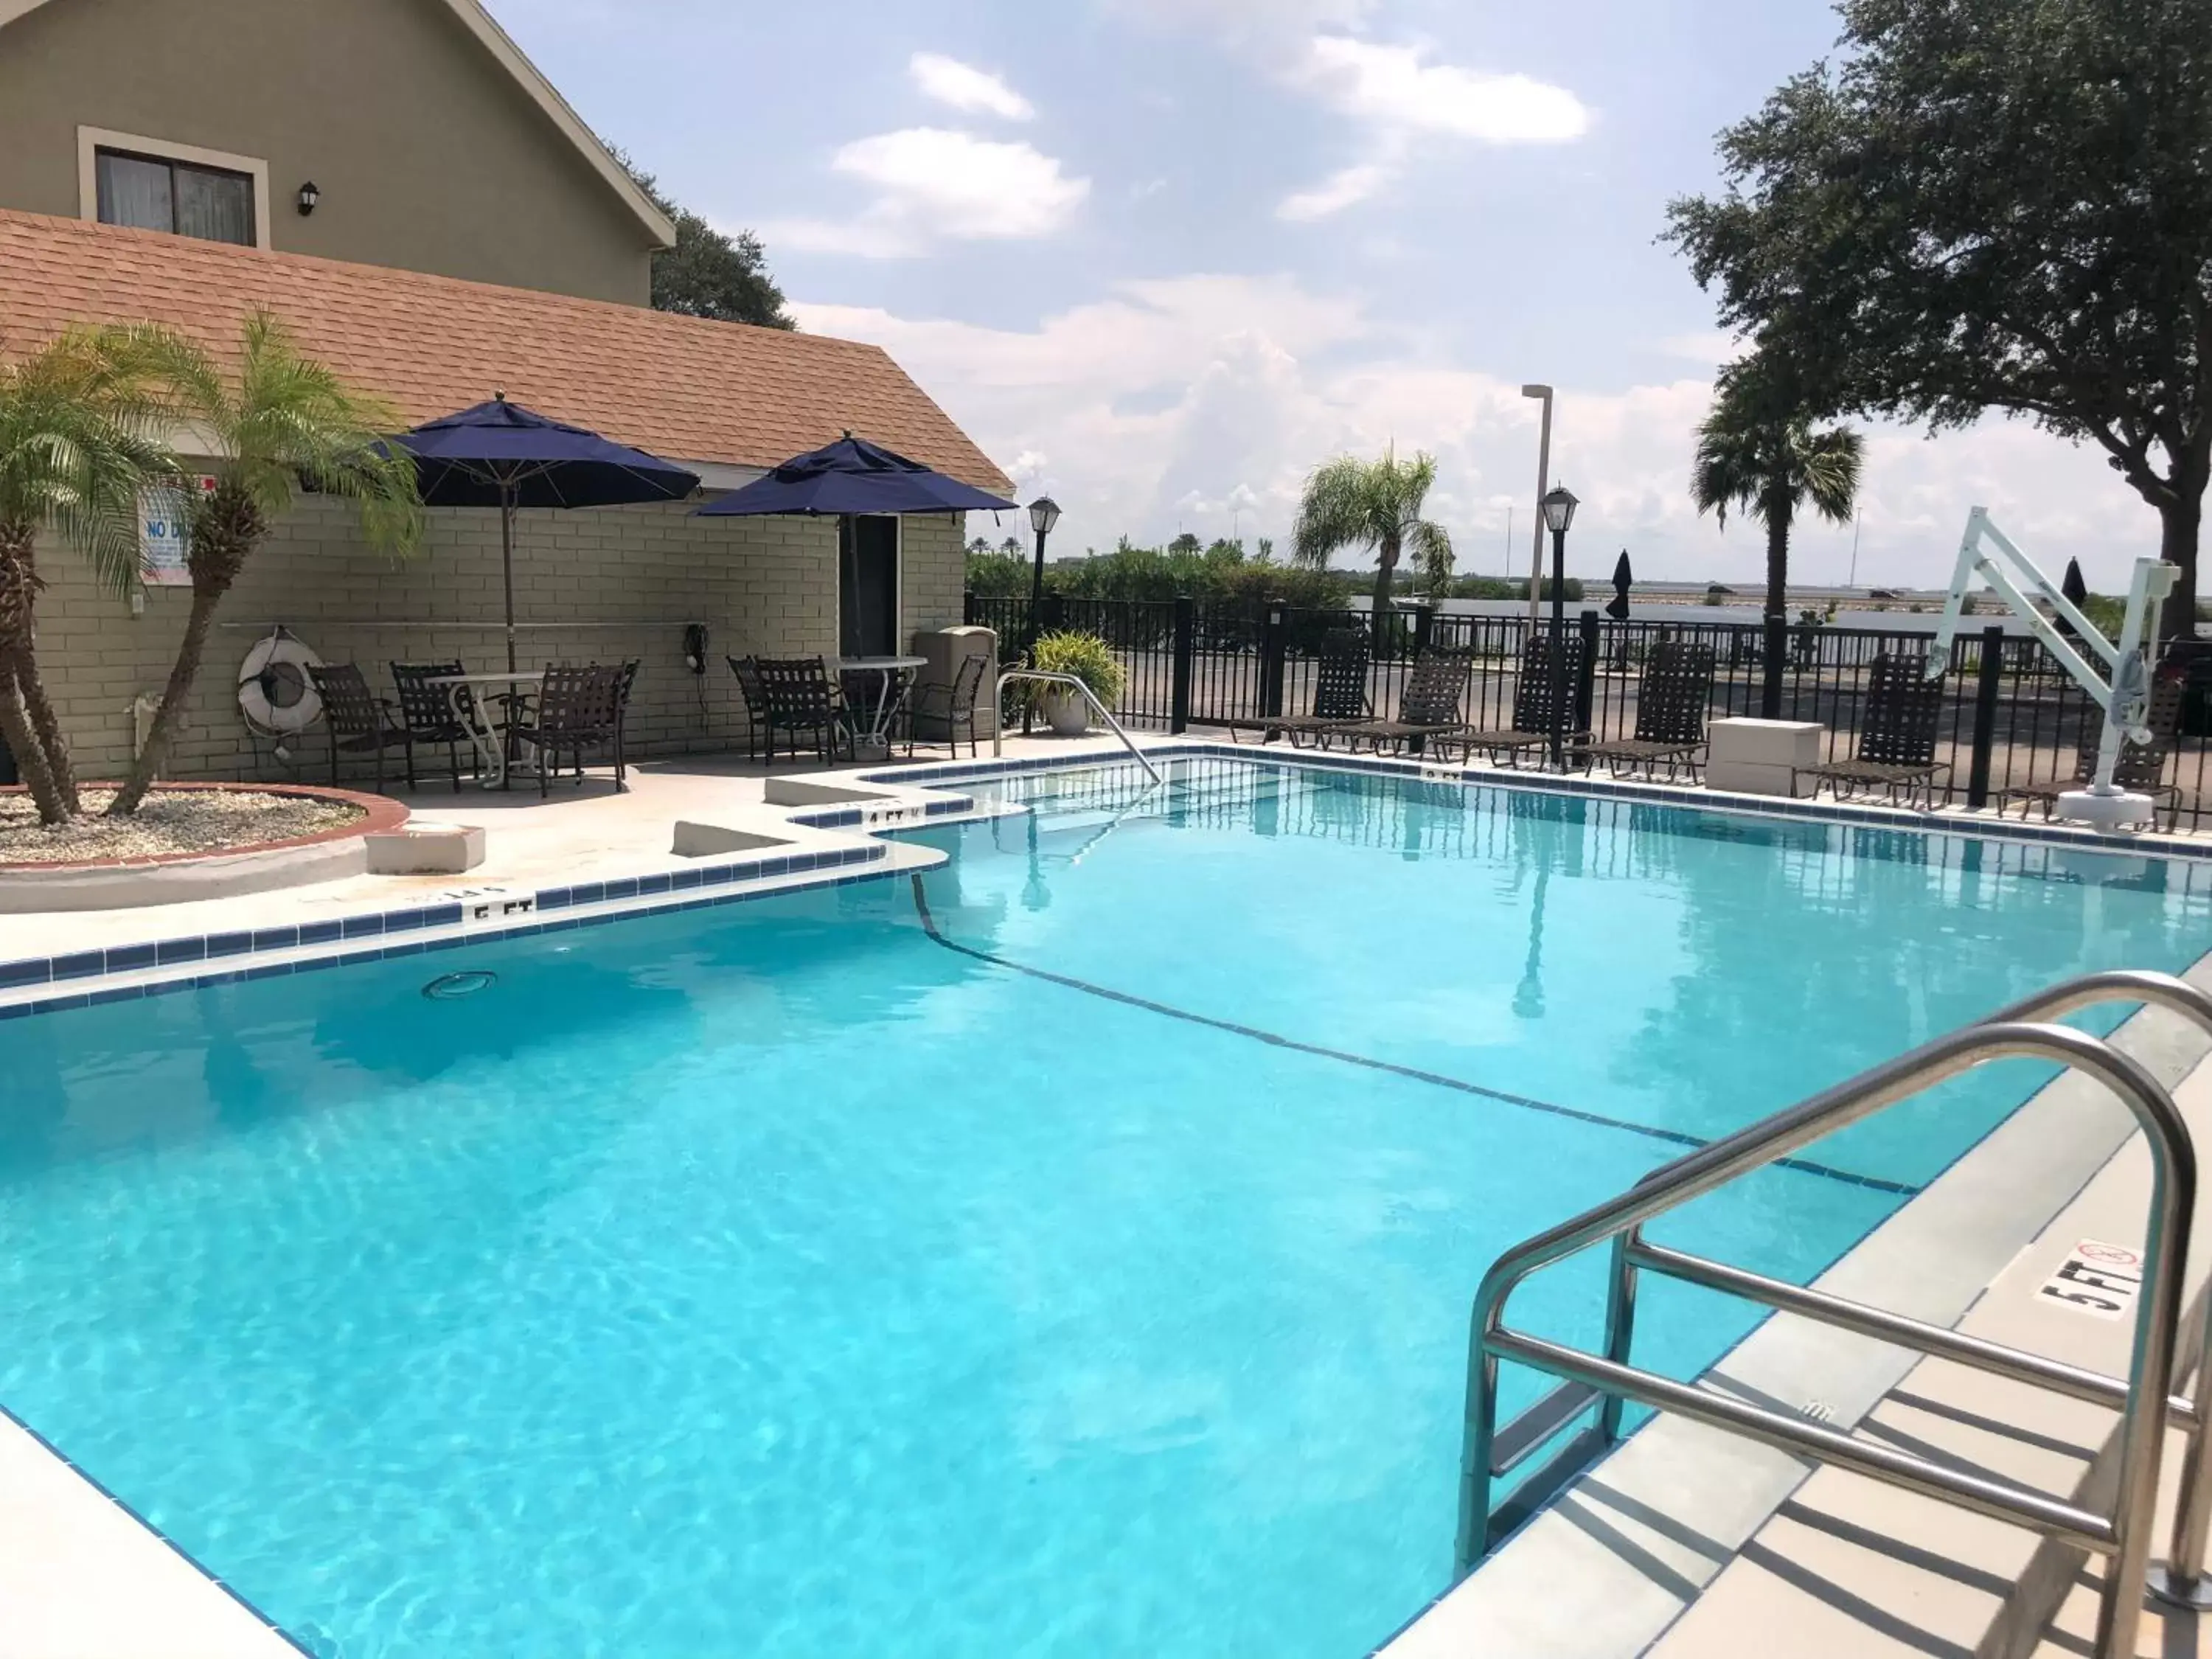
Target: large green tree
[1374,506]
[1991,204]
[707,273]
[275,420]
[79,438]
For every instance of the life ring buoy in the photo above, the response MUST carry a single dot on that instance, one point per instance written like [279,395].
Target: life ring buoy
[274,692]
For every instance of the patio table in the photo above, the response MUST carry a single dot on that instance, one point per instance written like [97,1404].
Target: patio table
[871,723]
[490,749]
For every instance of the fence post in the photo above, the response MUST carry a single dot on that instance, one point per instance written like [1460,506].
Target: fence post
[1586,676]
[968,608]
[1274,643]
[1986,689]
[1425,623]
[1772,650]
[1186,630]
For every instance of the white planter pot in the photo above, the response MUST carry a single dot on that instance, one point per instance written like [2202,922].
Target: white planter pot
[1065,711]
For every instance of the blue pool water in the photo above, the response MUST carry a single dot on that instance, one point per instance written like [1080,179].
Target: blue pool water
[1086,1277]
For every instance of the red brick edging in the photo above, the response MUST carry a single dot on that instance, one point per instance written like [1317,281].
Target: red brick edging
[379,814]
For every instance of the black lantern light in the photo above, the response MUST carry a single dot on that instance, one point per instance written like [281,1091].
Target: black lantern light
[1559,506]
[310,194]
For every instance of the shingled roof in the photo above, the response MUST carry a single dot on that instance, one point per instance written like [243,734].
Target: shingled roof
[682,387]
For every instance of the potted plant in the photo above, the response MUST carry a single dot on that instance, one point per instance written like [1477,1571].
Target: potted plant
[1088,658]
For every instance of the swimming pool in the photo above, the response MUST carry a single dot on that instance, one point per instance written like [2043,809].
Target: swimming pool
[1066,1252]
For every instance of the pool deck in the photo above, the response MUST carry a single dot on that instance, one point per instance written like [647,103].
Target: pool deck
[1649,1550]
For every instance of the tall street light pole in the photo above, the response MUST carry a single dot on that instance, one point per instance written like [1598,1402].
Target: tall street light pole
[1543,482]
[1558,512]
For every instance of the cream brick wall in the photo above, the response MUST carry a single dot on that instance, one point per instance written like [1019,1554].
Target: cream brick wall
[598,586]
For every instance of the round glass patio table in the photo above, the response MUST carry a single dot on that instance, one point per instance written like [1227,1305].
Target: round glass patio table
[869,720]
[490,749]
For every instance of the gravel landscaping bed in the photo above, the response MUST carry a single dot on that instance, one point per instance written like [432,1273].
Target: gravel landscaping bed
[168,822]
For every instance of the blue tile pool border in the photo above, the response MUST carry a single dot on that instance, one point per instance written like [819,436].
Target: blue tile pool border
[379,935]
[370,937]
[1849,814]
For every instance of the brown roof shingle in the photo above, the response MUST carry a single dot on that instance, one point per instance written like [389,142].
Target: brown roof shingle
[682,387]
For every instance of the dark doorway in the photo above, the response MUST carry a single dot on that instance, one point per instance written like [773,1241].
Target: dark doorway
[868,587]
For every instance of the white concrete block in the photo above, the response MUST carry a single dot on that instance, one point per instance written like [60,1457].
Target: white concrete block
[699,841]
[426,849]
[1766,743]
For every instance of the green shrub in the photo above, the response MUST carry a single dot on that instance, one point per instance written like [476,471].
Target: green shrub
[1087,656]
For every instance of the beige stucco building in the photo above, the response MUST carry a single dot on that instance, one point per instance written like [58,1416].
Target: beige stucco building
[405,283]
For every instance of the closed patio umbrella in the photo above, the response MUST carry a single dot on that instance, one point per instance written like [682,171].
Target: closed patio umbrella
[1617,607]
[501,454]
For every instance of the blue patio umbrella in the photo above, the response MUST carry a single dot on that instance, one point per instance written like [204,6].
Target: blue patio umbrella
[501,454]
[854,476]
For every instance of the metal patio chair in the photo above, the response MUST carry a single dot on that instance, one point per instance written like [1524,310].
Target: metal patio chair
[1340,694]
[359,722]
[746,671]
[1531,730]
[427,711]
[802,701]
[952,705]
[1897,735]
[1670,714]
[575,709]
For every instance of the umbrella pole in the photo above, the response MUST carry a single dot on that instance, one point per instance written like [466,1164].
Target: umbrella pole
[506,565]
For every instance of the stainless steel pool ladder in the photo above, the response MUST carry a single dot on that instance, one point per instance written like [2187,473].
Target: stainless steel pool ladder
[2147,1398]
[1070,683]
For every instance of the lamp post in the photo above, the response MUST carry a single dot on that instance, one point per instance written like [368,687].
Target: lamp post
[1044,513]
[1543,482]
[1559,513]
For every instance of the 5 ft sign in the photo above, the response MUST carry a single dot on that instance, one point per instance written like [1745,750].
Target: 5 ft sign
[2101,1281]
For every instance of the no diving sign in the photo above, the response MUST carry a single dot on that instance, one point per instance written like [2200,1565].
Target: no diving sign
[2100,1280]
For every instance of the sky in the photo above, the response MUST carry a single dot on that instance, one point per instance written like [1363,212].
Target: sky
[1162,257]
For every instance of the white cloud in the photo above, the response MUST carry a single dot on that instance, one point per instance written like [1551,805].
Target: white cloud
[1202,401]
[934,185]
[1339,191]
[1391,89]
[1401,102]
[966,88]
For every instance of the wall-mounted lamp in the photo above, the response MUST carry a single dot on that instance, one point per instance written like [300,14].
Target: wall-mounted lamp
[310,193]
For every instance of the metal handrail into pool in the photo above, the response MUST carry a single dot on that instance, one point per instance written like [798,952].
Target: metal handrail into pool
[1044,678]
[2123,1533]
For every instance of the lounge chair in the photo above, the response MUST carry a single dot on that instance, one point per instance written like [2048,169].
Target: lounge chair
[575,709]
[427,710]
[2140,770]
[1897,735]
[746,671]
[1670,714]
[1428,708]
[1340,694]
[359,722]
[1531,730]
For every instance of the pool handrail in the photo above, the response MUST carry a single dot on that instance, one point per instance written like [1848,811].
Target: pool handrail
[2124,1532]
[1046,676]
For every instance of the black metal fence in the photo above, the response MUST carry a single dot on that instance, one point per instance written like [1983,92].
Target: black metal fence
[2012,716]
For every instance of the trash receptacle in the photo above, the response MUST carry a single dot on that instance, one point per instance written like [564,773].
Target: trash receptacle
[942,650]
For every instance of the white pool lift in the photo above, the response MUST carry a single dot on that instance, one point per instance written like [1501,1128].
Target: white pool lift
[2119,680]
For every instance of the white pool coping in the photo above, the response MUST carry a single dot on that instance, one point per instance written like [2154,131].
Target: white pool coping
[83,1577]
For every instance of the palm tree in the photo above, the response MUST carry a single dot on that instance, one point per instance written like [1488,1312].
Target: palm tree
[1371,505]
[1758,451]
[282,420]
[77,443]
